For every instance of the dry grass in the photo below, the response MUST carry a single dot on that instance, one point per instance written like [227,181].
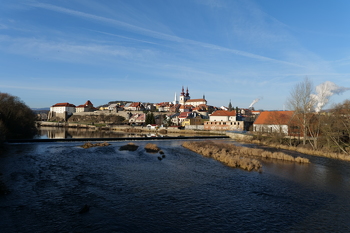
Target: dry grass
[89,144]
[151,148]
[332,155]
[130,147]
[237,156]
[224,154]
[321,153]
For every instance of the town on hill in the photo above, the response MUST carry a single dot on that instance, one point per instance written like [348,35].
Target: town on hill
[305,124]
[183,111]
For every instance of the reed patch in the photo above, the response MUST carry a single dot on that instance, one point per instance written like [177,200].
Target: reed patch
[238,156]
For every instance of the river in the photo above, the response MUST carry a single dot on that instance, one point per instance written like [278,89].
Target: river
[133,191]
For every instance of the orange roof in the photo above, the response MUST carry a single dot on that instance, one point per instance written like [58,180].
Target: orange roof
[224,113]
[88,103]
[196,100]
[63,105]
[274,118]
[135,104]
[184,114]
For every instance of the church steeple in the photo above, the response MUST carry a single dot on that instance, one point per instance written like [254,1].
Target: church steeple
[175,99]
[182,92]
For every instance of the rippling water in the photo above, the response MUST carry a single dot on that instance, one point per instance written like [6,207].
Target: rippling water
[126,191]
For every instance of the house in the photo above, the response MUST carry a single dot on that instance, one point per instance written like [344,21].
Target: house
[185,108]
[115,107]
[224,120]
[193,119]
[222,115]
[61,110]
[182,116]
[138,118]
[174,108]
[175,118]
[87,107]
[67,108]
[103,107]
[136,106]
[275,121]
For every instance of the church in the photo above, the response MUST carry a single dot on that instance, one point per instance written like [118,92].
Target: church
[185,99]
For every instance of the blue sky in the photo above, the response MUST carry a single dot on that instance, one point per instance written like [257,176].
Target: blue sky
[146,50]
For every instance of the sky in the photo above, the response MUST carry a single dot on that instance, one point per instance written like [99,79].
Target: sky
[147,50]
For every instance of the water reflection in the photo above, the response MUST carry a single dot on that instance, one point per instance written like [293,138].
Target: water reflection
[61,132]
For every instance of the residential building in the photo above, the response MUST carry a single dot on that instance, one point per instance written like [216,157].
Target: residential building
[136,106]
[224,120]
[222,115]
[63,108]
[87,107]
[275,122]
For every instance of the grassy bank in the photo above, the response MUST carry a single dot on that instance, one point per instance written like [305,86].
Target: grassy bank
[237,156]
[303,150]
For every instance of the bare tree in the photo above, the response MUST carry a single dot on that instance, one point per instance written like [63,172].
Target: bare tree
[301,102]
[336,128]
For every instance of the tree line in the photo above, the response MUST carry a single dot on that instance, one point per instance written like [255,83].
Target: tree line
[17,120]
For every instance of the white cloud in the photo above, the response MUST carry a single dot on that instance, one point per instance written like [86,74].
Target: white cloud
[158,35]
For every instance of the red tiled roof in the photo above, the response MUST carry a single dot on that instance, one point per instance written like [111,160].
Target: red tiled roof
[135,104]
[141,117]
[274,118]
[63,105]
[184,114]
[224,113]
[88,103]
[196,100]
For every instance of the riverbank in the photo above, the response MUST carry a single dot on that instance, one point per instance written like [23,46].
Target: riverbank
[303,150]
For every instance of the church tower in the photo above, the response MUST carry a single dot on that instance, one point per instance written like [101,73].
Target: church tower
[175,99]
[187,97]
[182,97]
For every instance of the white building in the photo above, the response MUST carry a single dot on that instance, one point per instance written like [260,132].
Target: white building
[221,115]
[63,108]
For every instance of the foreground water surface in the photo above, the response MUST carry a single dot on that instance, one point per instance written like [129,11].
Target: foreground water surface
[126,191]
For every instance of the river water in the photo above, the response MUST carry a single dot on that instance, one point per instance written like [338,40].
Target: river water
[133,191]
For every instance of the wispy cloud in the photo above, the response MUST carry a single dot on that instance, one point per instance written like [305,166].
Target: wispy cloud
[63,50]
[124,37]
[159,35]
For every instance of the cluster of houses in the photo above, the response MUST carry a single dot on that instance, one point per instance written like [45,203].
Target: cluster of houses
[187,113]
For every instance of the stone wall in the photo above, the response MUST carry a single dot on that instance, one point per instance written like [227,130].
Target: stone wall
[194,127]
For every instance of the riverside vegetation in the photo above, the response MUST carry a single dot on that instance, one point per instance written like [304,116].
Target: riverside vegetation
[17,120]
[238,156]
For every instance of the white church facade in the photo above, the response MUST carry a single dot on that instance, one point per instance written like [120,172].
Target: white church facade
[185,99]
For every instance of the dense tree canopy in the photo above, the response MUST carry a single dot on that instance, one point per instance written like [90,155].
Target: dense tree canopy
[17,120]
